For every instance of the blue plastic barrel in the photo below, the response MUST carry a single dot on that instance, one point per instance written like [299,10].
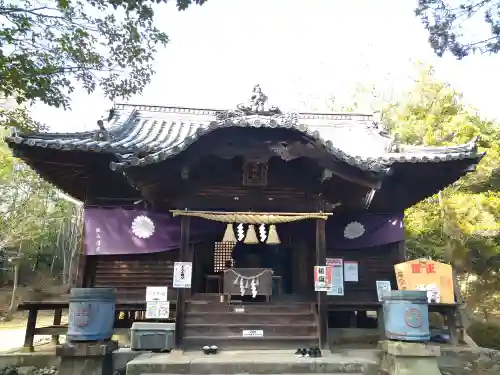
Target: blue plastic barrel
[91,314]
[406,315]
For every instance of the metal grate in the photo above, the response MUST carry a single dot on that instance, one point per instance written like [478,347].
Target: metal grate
[222,253]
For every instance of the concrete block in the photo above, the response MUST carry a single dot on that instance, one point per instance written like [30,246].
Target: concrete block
[409,349]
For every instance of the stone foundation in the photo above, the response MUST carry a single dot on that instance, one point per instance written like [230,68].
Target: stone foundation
[405,358]
[469,361]
[86,358]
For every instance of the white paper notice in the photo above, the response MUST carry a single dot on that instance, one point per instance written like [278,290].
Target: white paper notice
[157,310]
[156,294]
[351,271]
[182,274]
[383,286]
[252,333]
[337,276]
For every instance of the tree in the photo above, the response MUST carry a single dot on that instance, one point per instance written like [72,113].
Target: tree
[47,47]
[457,26]
[461,224]
[33,219]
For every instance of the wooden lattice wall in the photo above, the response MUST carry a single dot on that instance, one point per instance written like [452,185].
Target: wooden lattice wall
[222,253]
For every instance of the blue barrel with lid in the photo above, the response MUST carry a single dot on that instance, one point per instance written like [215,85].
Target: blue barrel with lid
[406,315]
[91,314]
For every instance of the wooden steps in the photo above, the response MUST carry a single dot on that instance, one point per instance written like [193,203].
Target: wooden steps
[284,325]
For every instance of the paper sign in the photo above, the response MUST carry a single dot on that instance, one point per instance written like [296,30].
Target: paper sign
[182,274]
[322,278]
[156,293]
[433,293]
[157,310]
[337,265]
[351,271]
[383,286]
[424,274]
[252,333]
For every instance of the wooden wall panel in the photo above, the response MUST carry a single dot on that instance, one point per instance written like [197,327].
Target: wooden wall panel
[375,263]
[131,274]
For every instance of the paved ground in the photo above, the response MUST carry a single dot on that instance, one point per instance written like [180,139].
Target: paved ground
[12,339]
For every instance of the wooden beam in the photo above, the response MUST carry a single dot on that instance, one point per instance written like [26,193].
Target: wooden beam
[185,255]
[320,296]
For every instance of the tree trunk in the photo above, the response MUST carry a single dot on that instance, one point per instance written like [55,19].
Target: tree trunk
[12,307]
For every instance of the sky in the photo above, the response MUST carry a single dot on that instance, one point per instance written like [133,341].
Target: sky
[301,52]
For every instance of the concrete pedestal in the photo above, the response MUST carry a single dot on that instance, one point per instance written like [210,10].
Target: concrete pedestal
[406,358]
[86,358]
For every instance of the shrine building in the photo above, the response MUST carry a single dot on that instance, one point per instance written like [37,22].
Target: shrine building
[253,198]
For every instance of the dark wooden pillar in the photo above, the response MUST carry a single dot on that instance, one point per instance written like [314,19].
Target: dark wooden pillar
[185,255]
[402,255]
[321,296]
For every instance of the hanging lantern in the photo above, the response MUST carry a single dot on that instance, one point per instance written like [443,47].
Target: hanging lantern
[229,234]
[251,237]
[272,236]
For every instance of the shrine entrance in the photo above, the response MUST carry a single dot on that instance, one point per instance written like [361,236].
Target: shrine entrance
[259,257]
[257,263]
[249,293]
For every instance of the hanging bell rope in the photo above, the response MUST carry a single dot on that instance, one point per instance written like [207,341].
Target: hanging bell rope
[272,236]
[251,237]
[229,234]
[252,218]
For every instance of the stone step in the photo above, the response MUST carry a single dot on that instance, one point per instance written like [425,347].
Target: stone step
[203,306]
[251,343]
[250,317]
[224,329]
[258,362]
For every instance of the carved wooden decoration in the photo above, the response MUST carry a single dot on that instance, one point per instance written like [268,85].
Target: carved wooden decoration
[255,174]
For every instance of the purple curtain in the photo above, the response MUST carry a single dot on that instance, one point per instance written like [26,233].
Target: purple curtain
[119,231]
[357,232]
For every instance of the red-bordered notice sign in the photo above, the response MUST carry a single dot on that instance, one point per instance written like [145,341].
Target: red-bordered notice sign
[322,278]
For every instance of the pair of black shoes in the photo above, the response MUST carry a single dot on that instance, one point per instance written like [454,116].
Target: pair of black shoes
[311,352]
[210,349]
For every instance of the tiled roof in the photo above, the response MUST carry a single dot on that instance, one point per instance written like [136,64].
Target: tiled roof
[158,133]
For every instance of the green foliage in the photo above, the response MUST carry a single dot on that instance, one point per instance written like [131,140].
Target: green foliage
[461,224]
[49,47]
[486,335]
[29,206]
[9,370]
[446,22]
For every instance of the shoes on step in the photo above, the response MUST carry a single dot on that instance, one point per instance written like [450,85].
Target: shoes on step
[206,350]
[214,349]
[316,352]
[301,352]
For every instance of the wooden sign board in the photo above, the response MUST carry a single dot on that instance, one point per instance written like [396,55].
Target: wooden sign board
[424,274]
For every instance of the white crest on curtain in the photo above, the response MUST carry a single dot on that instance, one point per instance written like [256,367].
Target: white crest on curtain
[354,230]
[143,227]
